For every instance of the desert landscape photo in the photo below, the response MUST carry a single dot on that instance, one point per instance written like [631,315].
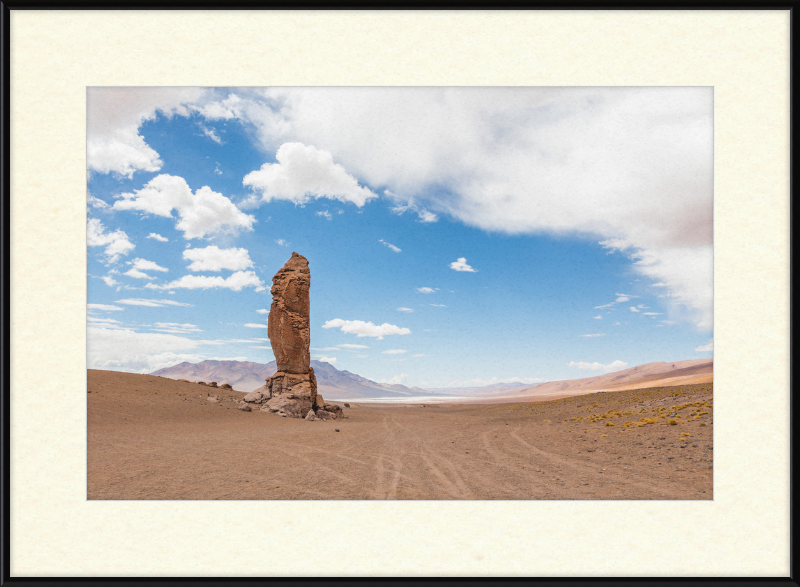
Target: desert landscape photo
[376,293]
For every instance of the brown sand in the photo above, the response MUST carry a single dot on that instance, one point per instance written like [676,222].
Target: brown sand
[156,438]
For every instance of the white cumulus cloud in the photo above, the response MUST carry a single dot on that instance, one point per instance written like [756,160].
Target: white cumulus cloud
[116,243]
[109,281]
[255,325]
[145,265]
[634,309]
[204,212]
[362,329]
[137,274]
[632,166]
[213,258]
[396,380]
[113,118]
[708,347]
[331,360]
[158,237]
[262,311]
[461,265]
[303,172]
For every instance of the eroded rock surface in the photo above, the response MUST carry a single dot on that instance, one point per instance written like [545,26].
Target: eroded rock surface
[288,326]
[292,391]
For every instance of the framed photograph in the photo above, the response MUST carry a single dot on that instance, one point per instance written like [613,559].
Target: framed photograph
[500,313]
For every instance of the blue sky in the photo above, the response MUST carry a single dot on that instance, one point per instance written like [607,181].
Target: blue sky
[455,236]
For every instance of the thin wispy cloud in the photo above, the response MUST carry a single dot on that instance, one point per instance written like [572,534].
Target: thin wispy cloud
[614,366]
[234,282]
[390,246]
[176,328]
[104,307]
[151,303]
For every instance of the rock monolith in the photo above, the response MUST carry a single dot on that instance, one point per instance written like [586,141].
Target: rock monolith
[292,391]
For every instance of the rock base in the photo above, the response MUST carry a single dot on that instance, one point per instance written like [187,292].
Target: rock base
[293,395]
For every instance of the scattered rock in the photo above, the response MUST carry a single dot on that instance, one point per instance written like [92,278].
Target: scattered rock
[310,415]
[201,383]
[337,411]
[245,407]
[212,384]
[184,380]
[347,405]
[226,386]
[256,397]
[213,399]
[337,430]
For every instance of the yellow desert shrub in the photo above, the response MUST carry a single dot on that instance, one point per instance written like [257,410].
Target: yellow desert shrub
[672,422]
[609,423]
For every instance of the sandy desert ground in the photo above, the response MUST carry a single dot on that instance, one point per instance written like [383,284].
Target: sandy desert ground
[156,438]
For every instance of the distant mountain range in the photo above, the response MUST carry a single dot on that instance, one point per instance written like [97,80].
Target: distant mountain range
[335,384]
[648,375]
[247,376]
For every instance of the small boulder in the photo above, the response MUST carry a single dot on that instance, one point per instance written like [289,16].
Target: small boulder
[255,397]
[325,415]
[213,399]
[245,407]
[337,411]
[201,383]
[347,405]
[212,384]
[310,415]
[226,386]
